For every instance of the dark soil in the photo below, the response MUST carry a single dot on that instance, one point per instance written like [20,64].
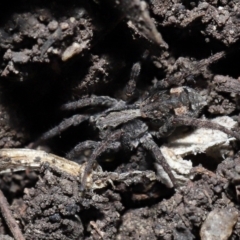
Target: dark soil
[39,73]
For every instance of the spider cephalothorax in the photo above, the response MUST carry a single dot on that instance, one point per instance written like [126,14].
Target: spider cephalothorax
[126,125]
[176,101]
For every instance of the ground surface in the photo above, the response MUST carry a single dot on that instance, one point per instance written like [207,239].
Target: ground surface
[54,52]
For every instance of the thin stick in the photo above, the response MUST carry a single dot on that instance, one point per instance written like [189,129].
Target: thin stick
[9,219]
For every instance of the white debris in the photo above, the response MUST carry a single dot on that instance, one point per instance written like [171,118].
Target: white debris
[202,140]
[73,50]
[181,168]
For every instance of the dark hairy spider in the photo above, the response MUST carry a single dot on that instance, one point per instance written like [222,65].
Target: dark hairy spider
[122,124]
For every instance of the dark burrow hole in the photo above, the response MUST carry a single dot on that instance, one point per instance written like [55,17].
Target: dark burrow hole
[189,42]
[34,103]
[228,66]
[207,162]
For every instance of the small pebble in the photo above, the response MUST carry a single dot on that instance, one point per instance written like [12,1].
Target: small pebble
[53,25]
[219,224]
[73,50]
[64,25]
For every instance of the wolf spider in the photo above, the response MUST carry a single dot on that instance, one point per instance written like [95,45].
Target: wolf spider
[123,124]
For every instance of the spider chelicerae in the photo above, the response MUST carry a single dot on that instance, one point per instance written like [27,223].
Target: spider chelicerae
[124,124]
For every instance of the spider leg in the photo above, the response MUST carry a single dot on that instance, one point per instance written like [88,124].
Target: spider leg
[196,67]
[178,121]
[130,89]
[81,147]
[62,126]
[121,106]
[148,143]
[90,102]
[164,131]
[102,147]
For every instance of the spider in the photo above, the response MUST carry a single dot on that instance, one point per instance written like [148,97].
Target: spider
[122,124]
